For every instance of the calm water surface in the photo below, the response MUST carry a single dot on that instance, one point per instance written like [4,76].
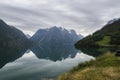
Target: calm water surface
[31,67]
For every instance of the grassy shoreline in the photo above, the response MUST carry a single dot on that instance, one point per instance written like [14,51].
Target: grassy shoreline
[105,67]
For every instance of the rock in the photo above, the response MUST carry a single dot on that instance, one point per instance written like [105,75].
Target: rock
[117,53]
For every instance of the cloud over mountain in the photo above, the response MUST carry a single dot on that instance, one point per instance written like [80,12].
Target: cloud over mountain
[85,16]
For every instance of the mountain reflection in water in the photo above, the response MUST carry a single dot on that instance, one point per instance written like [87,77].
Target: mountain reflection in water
[39,63]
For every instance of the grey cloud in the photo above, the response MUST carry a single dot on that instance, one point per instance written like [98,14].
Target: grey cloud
[85,16]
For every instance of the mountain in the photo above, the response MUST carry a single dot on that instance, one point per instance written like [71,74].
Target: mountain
[12,38]
[55,36]
[108,36]
[112,21]
[28,36]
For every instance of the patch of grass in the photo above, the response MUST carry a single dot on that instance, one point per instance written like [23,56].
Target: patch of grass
[106,67]
[105,41]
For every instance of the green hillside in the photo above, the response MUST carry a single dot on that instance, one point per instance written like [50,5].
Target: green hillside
[108,36]
[105,67]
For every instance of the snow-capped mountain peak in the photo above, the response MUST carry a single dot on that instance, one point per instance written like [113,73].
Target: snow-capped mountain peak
[113,20]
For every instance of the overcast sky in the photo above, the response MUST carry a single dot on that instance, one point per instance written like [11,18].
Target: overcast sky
[85,16]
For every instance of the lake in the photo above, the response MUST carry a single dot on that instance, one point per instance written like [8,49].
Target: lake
[37,64]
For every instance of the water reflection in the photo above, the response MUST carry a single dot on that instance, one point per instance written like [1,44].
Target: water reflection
[29,67]
[9,55]
[39,62]
[43,63]
[54,53]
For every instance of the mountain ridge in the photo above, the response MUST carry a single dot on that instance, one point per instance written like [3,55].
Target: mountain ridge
[11,36]
[55,33]
[107,36]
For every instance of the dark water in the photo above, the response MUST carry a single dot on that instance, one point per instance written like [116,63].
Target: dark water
[39,63]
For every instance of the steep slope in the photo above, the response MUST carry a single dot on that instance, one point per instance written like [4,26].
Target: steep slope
[54,36]
[12,38]
[108,36]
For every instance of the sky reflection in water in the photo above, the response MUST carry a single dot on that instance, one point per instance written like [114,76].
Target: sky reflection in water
[29,67]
